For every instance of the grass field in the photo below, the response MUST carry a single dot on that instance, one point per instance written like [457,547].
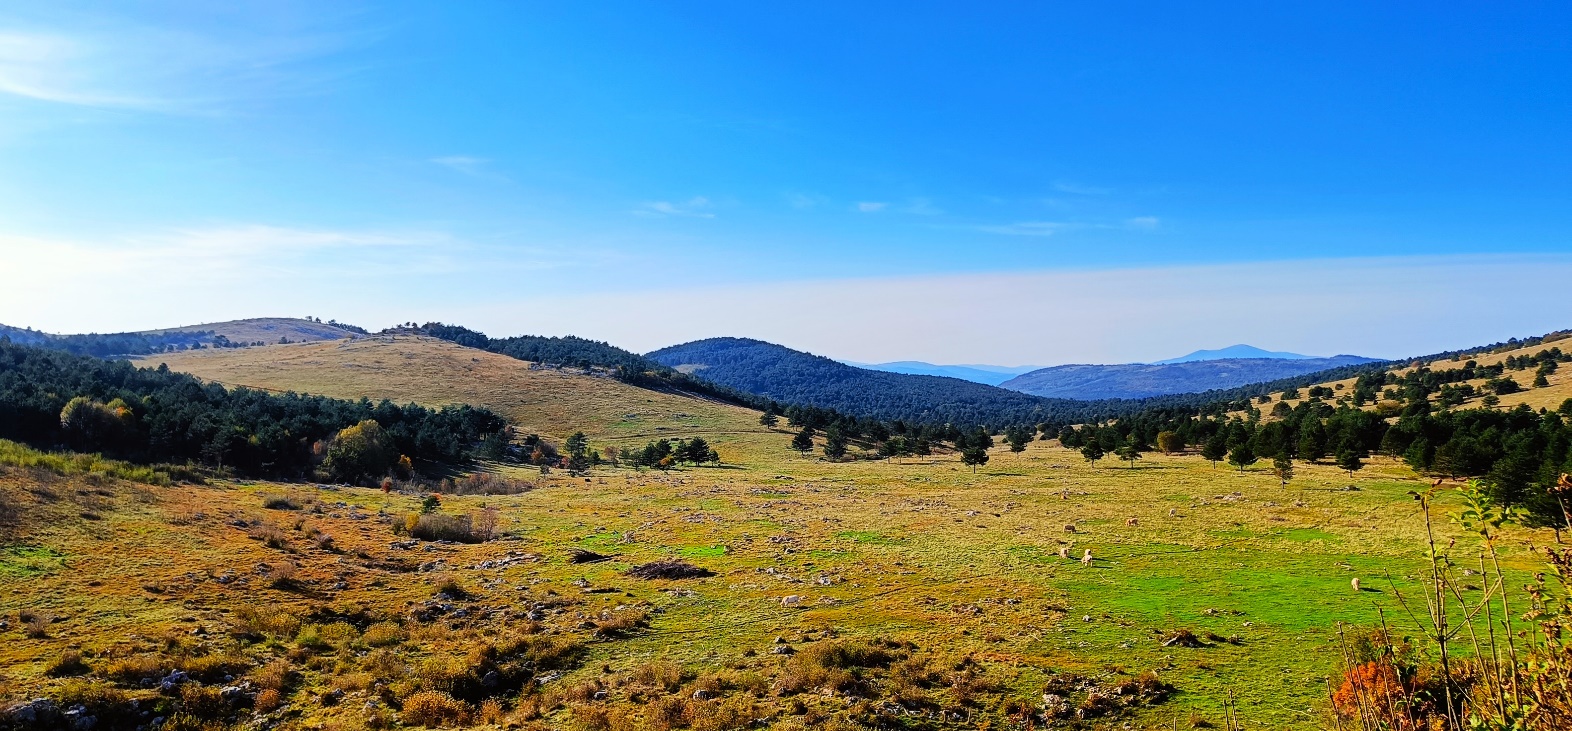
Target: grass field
[948,584]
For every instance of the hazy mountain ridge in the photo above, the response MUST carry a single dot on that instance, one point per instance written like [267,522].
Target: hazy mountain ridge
[991,375]
[1142,380]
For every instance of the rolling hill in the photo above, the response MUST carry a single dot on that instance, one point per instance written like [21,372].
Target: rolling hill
[1234,351]
[547,400]
[234,333]
[1139,380]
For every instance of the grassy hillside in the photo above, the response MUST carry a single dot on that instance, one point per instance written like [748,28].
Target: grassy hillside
[1547,397]
[550,401]
[267,329]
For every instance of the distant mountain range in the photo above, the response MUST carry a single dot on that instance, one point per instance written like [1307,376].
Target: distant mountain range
[1236,351]
[1142,380]
[976,373]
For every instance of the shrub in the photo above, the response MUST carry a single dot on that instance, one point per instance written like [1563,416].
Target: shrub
[272,676]
[662,674]
[202,701]
[68,664]
[446,527]
[434,708]
[253,621]
[279,502]
[133,670]
[383,634]
[268,699]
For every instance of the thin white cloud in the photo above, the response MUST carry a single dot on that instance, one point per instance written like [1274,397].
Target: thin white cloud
[166,69]
[1142,223]
[805,201]
[871,206]
[693,208]
[1073,188]
[462,163]
[921,207]
[1027,228]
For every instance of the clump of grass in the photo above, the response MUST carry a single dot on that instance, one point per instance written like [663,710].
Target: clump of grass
[284,575]
[280,502]
[270,535]
[272,676]
[449,584]
[616,624]
[268,700]
[70,663]
[434,708]
[36,623]
[833,664]
[662,675]
[252,621]
[446,527]
[383,634]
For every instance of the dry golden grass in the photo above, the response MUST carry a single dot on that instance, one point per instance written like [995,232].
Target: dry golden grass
[550,401]
[267,330]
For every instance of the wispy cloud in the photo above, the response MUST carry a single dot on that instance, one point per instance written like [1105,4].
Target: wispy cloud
[695,207]
[805,201]
[921,207]
[462,163]
[118,65]
[1027,228]
[1142,223]
[871,206]
[1073,188]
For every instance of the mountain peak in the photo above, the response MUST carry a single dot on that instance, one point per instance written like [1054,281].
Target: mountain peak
[1234,351]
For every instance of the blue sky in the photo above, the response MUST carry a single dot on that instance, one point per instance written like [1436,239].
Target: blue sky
[657,172]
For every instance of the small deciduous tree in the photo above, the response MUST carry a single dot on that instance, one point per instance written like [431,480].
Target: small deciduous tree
[360,452]
[1170,442]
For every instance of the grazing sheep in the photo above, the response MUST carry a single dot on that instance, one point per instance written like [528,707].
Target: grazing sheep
[1132,522]
[1355,583]
[1069,528]
[1086,559]
[791,601]
[1064,552]
[1173,512]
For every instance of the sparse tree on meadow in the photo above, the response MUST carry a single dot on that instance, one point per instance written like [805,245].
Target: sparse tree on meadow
[803,442]
[769,420]
[834,443]
[1283,465]
[1170,442]
[974,454]
[1215,449]
[1092,452]
[1018,437]
[1349,459]
[1241,456]
[1129,453]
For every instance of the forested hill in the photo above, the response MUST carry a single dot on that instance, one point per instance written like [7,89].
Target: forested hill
[232,334]
[1142,380]
[792,376]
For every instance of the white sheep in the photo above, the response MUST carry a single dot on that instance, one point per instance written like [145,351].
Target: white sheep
[1064,552]
[1086,559]
[1355,584]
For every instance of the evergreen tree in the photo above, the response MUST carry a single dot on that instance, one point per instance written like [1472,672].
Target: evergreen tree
[803,442]
[769,420]
[1241,456]
[1312,440]
[834,443]
[1215,449]
[578,452]
[1129,453]
[1018,437]
[974,454]
[1283,465]
[1092,451]
[1348,459]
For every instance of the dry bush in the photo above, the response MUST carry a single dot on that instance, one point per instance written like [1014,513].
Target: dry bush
[272,676]
[616,624]
[486,483]
[270,535]
[663,714]
[385,665]
[599,717]
[442,527]
[729,713]
[268,700]
[284,575]
[339,634]
[133,670]
[491,713]
[580,692]
[434,708]
[450,585]
[111,706]
[669,569]
[830,664]
[254,621]
[69,664]
[211,668]
[36,623]
[280,502]
[202,701]
[444,674]
[383,634]
[350,682]
[661,674]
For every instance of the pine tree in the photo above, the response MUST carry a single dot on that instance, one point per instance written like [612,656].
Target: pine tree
[1348,459]
[1242,456]
[1215,449]
[1092,451]
[974,454]
[1129,453]
[1283,465]
[769,420]
[803,442]
[834,444]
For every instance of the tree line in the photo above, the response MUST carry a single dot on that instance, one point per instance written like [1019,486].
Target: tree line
[51,399]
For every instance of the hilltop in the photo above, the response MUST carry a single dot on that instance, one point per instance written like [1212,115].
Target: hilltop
[548,400]
[990,375]
[231,334]
[1234,351]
